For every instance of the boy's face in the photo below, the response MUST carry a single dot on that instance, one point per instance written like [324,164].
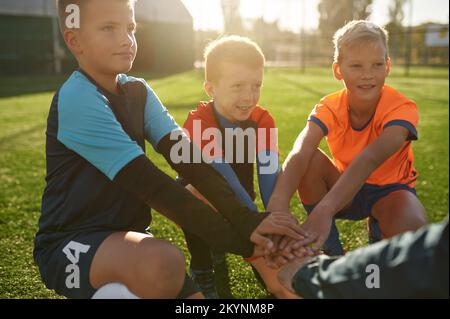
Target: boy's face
[237,90]
[364,69]
[105,43]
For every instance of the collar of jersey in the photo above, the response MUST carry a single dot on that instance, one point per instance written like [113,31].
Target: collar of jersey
[222,120]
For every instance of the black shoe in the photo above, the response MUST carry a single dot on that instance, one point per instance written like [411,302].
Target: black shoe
[205,281]
[222,277]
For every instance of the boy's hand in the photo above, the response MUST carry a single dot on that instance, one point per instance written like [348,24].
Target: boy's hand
[259,251]
[284,252]
[302,248]
[288,271]
[278,240]
[276,224]
[318,226]
[278,205]
[275,261]
[280,258]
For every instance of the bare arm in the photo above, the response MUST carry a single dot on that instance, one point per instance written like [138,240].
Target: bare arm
[294,167]
[389,142]
[351,181]
[291,174]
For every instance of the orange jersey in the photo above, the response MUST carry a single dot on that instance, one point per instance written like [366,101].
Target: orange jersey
[345,142]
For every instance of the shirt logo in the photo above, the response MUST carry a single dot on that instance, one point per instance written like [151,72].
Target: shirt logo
[72,252]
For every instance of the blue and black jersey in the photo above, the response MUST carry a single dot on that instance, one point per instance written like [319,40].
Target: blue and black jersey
[98,177]
[91,135]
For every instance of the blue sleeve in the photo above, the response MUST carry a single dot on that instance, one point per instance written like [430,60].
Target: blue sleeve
[268,169]
[157,120]
[230,176]
[87,126]
[321,124]
[413,135]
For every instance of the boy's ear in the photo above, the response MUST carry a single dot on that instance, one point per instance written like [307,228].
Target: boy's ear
[71,37]
[209,88]
[337,71]
[388,66]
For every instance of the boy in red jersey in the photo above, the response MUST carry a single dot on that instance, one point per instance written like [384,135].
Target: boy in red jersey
[233,79]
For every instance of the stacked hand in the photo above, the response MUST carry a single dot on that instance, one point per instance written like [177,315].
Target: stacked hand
[280,239]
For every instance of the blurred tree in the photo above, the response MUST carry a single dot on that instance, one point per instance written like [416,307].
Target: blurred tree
[335,13]
[232,16]
[268,35]
[395,27]
[396,13]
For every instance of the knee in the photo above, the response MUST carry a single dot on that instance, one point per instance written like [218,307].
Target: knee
[283,289]
[276,285]
[160,272]
[316,169]
[407,210]
[418,220]
[278,290]
[315,161]
[395,222]
[318,163]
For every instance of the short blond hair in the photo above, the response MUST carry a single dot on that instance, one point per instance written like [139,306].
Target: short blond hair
[61,6]
[231,49]
[357,32]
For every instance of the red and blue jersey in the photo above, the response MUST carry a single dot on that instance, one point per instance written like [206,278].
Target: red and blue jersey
[262,143]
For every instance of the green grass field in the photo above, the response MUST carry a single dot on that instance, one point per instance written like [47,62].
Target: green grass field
[289,95]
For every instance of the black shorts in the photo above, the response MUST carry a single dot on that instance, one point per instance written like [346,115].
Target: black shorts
[365,199]
[64,262]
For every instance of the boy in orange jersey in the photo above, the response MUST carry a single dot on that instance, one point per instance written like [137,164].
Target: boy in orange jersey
[369,127]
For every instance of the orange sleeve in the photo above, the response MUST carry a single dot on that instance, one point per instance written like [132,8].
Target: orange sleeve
[322,116]
[405,115]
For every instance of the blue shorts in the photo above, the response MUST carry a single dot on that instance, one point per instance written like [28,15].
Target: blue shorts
[360,208]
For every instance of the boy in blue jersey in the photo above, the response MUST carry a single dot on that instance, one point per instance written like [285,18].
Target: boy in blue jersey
[92,239]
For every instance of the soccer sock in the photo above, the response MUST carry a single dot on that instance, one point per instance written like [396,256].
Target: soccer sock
[205,280]
[114,291]
[222,277]
[374,231]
